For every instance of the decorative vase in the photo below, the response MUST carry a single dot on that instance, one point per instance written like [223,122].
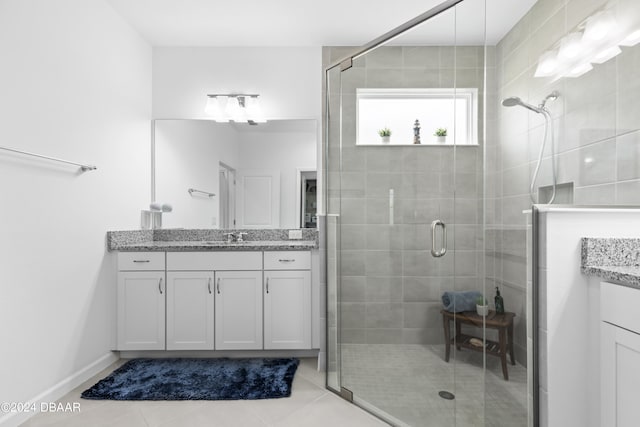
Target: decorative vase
[441,139]
[482,310]
[385,139]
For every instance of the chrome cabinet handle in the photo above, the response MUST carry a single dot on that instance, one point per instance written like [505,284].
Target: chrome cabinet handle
[267,285]
[160,286]
[218,285]
[209,285]
[286,260]
[141,260]
[443,250]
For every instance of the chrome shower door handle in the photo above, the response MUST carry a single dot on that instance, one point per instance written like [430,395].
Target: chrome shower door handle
[443,249]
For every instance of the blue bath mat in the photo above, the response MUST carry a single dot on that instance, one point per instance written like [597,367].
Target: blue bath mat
[197,379]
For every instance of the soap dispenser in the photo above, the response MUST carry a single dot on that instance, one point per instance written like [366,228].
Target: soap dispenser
[499,302]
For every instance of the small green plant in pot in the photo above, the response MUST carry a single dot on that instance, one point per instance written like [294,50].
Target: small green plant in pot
[441,134]
[385,135]
[482,306]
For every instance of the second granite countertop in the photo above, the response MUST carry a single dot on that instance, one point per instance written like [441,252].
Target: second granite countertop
[614,259]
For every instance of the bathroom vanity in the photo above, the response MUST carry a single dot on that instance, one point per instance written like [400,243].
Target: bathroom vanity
[618,262]
[210,294]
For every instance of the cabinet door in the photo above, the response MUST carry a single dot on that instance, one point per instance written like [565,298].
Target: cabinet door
[190,310]
[238,298]
[141,311]
[620,376]
[287,310]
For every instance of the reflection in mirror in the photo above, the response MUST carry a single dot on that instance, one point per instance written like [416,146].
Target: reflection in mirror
[307,205]
[251,170]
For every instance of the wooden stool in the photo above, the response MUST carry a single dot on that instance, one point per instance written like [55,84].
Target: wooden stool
[502,322]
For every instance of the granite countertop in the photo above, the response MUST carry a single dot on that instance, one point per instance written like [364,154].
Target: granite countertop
[176,240]
[185,246]
[614,259]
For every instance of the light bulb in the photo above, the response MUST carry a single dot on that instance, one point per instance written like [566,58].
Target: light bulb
[632,39]
[571,46]
[599,26]
[235,111]
[547,64]
[215,108]
[606,54]
[254,111]
[579,70]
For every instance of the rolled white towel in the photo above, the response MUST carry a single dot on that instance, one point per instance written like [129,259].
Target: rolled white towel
[166,207]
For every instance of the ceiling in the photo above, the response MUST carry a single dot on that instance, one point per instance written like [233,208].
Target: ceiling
[309,22]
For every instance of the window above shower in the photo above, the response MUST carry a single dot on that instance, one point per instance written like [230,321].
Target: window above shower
[453,109]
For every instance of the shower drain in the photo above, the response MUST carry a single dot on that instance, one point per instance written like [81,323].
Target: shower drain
[446,395]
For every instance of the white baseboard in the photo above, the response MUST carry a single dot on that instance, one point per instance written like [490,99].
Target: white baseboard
[322,361]
[14,419]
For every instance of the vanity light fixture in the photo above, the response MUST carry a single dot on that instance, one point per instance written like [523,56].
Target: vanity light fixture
[595,41]
[235,107]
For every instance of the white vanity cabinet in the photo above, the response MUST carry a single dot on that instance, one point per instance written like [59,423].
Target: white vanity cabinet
[190,310]
[141,301]
[238,310]
[214,300]
[620,355]
[287,300]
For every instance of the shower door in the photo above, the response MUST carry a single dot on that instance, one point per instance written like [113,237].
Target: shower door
[405,224]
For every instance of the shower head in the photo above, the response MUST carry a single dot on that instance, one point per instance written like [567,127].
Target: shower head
[551,97]
[540,109]
[511,102]
[514,100]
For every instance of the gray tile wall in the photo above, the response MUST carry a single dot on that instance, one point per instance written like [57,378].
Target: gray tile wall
[597,127]
[390,284]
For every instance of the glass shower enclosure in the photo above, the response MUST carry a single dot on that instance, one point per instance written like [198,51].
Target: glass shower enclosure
[406,222]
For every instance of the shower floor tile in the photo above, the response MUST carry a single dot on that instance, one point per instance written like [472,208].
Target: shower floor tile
[404,380]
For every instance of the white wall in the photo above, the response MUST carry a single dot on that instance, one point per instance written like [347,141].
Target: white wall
[288,79]
[187,155]
[76,84]
[569,326]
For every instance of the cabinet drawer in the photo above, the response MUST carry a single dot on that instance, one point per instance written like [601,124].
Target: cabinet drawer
[136,261]
[232,260]
[287,260]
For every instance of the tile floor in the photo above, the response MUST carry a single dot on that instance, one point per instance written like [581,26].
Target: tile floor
[310,405]
[404,381]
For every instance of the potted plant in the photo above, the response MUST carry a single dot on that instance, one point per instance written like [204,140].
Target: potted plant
[482,306]
[385,135]
[441,134]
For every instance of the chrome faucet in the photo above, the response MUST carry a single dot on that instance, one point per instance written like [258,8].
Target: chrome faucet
[241,237]
[230,237]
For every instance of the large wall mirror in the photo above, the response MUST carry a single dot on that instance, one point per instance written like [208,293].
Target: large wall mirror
[228,175]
